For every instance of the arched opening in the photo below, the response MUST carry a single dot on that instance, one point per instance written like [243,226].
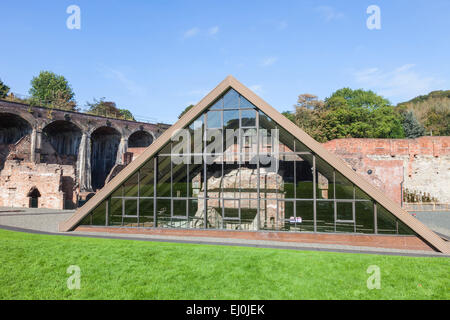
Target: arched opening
[140,139]
[65,138]
[104,145]
[34,196]
[12,129]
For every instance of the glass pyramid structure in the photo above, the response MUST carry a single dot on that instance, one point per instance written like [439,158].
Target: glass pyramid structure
[234,163]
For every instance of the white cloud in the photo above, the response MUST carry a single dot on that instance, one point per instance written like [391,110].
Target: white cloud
[402,83]
[282,25]
[130,85]
[268,61]
[257,88]
[191,32]
[213,30]
[329,13]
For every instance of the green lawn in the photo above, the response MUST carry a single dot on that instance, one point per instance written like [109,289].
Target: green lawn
[34,267]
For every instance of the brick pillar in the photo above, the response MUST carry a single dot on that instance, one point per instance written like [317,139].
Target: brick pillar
[36,138]
[123,147]
[84,163]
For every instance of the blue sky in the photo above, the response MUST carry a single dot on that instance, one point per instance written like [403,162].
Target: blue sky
[157,57]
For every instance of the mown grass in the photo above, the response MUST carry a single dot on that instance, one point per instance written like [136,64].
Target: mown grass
[34,267]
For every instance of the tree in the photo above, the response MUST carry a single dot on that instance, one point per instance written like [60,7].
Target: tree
[108,109]
[412,127]
[432,111]
[4,89]
[52,90]
[348,113]
[189,107]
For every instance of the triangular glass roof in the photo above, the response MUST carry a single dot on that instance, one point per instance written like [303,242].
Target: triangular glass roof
[228,164]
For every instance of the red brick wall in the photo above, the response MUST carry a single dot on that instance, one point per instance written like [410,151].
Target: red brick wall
[395,160]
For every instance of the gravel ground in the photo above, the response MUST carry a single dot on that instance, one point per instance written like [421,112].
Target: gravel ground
[438,221]
[35,219]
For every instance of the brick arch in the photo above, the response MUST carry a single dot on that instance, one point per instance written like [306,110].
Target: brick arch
[135,134]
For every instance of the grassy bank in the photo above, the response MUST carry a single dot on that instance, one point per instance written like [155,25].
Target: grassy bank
[34,267]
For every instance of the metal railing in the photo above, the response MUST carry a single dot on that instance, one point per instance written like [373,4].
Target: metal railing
[34,102]
[426,206]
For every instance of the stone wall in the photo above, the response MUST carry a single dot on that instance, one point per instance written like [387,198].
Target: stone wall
[17,179]
[421,165]
[62,154]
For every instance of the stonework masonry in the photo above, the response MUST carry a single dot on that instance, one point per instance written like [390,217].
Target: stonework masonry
[421,165]
[53,158]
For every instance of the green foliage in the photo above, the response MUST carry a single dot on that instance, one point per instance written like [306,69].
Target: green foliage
[4,89]
[51,90]
[108,109]
[412,127]
[34,267]
[189,107]
[348,113]
[360,98]
[432,111]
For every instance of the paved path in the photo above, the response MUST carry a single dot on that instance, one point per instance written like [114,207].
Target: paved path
[34,219]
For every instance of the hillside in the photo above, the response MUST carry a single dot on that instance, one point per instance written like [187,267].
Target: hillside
[432,111]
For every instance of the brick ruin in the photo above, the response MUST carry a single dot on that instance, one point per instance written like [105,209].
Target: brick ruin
[55,159]
[418,166]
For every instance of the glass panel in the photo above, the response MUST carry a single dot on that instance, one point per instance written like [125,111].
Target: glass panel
[147,179]
[268,211]
[245,103]
[218,104]
[131,186]
[386,221]
[146,213]
[214,212]
[163,212]
[248,118]
[195,207]
[231,182]
[344,211]
[287,183]
[214,119]
[248,218]
[344,188]
[130,207]
[179,207]
[179,181]
[324,180]
[231,209]
[286,215]
[364,217]
[164,181]
[115,212]
[214,179]
[304,177]
[325,216]
[231,119]
[98,216]
[305,215]
[195,179]
[286,140]
[231,99]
